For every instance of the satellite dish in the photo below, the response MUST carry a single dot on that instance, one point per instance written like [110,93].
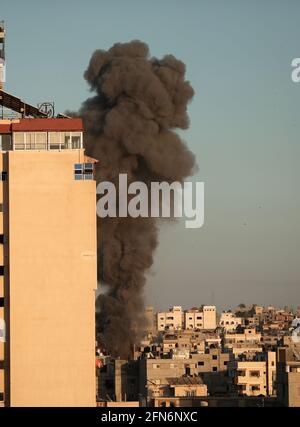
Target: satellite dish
[47,108]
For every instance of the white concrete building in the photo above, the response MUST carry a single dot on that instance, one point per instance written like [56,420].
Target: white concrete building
[205,318]
[229,321]
[170,320]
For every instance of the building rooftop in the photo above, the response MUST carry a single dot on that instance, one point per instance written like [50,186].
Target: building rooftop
[185,380]
[41,134]
[41,124]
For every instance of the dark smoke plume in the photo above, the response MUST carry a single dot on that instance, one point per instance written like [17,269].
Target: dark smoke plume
[130,128]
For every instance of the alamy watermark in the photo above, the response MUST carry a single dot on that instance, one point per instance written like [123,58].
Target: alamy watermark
[295,75]
[2,71]
[296,330]
[2,330]
[158,200]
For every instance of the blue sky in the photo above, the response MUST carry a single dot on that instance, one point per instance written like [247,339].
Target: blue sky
[244,128]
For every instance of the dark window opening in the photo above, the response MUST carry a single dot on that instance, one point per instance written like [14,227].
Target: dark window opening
[1,301]
[83,171]
[109,383]
[1,239]
[3,176]
[215,369]
[1,270]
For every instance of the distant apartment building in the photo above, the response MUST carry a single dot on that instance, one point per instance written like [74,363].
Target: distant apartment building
[288,374]
[229,321]
[258,309]
[248,335]
[183,340]
[211,367]
[254,377]
[170,320]
[48,271]
[205,318]
[247,341]
[193,319]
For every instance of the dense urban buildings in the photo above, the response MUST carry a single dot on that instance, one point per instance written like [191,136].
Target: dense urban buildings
[243,357]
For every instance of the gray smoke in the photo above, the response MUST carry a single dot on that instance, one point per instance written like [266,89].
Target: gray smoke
[131,127]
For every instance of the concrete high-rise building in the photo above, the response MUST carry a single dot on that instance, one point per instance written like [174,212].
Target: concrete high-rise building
[48,271]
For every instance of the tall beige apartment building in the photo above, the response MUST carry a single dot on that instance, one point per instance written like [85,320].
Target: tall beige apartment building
[48,271]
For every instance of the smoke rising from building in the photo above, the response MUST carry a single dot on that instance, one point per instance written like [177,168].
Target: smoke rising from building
[131,127]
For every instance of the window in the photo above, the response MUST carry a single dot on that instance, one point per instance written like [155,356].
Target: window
[85,171]
[225,363]
[1,207]
[29,141]
[254,374]
[215,369]
[215,357]
[3,176]
[54,139]
[1,270]
[200,363]
[5,142]
[78,169]
[40,140]
[1,239]
[1,302]
[76,140]
[109,383]
[19,140]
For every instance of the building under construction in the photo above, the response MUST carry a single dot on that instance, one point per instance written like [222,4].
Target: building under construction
[47,257]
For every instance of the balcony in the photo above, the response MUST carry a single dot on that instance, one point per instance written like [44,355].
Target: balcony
[44,141]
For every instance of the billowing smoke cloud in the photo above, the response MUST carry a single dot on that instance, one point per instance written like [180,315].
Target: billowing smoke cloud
[130,128]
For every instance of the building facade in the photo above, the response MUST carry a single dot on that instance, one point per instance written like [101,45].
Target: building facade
[256,376]
[48,271]
[170,320]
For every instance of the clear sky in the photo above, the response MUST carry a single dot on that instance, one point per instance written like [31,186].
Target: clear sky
[245,128]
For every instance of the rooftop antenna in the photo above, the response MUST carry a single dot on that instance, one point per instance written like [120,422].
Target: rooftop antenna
[2,54]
